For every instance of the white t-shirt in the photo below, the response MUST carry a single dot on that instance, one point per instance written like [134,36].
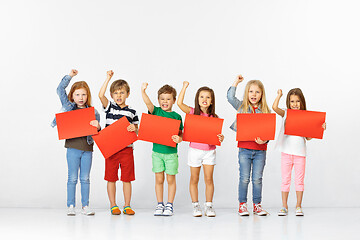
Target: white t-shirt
[289,144]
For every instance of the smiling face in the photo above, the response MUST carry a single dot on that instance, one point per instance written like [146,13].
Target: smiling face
[255,94]
[119,96]
[80,97]
[295,102]
[205,99]
[166,101]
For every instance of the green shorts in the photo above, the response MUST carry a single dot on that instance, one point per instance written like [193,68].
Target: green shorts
[167,162]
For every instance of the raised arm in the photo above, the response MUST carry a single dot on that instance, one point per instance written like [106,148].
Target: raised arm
[62,86]
[103,88]
[146,98]
[236,103]
[275,105]
[180,102]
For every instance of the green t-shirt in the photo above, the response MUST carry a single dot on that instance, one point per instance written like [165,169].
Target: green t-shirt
[162,148]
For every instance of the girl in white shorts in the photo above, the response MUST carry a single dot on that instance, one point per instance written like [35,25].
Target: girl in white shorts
[200,153]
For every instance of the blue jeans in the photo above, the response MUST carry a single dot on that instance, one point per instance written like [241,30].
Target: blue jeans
[76,160]
[256,159]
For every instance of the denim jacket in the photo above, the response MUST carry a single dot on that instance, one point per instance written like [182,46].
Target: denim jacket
[236,103]
[69,106]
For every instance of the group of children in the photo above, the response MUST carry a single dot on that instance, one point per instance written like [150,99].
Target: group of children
[251,157]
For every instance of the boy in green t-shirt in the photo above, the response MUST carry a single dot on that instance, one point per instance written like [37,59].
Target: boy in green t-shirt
[164,158]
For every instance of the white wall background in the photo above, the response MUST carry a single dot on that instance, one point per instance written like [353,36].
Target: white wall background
[313,45]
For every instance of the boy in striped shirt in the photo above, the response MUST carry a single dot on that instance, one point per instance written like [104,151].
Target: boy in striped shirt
[116,109]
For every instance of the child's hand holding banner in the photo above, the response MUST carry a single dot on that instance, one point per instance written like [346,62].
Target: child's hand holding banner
[76,123]
[254,125]
[114,138]
[202,129]
[158,129]
[305,123]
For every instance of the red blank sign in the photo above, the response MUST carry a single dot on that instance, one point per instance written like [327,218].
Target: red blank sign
[305,123]
[253,125]
[201,129]
[114,138]
[76,123]
[158,129]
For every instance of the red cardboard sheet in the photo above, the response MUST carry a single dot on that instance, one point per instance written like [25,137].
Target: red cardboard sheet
[305,123]
[201,129]
[158,129]
[114,138]
[76,123]
[253,125]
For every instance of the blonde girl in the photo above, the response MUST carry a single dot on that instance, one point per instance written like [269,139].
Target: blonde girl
[201,154]
[293,151]
[252,154]
[79,150]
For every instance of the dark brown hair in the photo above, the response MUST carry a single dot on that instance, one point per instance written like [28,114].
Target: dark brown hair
[211,109]
[78,85]
[297,92]
[167,89]
[118,84]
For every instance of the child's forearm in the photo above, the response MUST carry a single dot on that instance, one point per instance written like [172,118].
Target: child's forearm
[147,101]
[180,101]
[103,99]
[276,108]
[60,90]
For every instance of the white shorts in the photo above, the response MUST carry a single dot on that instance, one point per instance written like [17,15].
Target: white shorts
[197,157]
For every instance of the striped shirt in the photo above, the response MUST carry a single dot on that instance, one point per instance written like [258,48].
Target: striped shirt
[114,112]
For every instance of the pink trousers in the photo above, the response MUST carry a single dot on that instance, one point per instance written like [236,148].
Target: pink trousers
[289,161]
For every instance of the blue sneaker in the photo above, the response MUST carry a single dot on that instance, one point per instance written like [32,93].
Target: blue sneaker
[159,210]
[169,211]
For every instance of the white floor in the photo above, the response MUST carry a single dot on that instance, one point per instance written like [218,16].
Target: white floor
[318,223]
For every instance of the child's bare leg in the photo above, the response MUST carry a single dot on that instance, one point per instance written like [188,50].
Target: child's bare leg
[111,189]
[193,186]
[127,193]
[159,186]
[171,180]
[209,182]
[299,197]
[284,197]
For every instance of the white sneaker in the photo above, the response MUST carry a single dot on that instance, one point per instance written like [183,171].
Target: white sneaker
[209,210]
[71,211]
[169,211]
[87,211]
[196,209]
[299,212]
[159,210]
[283,212]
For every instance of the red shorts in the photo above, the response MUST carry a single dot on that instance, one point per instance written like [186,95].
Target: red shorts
[124,159]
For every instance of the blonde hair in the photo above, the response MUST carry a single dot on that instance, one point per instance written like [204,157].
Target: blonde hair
[262,102]
[78,85]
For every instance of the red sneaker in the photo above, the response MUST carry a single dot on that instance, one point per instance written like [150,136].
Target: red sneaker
[243,209]
[259,211]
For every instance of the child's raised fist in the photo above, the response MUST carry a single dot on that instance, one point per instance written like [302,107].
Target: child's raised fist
[144,86]
[109,73]
[185,84]
[73,73]
[240,78]
[279,92]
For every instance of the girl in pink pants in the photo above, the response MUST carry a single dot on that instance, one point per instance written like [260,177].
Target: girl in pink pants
[293,151]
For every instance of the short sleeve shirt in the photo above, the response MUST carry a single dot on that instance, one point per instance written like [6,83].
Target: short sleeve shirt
[159,148]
